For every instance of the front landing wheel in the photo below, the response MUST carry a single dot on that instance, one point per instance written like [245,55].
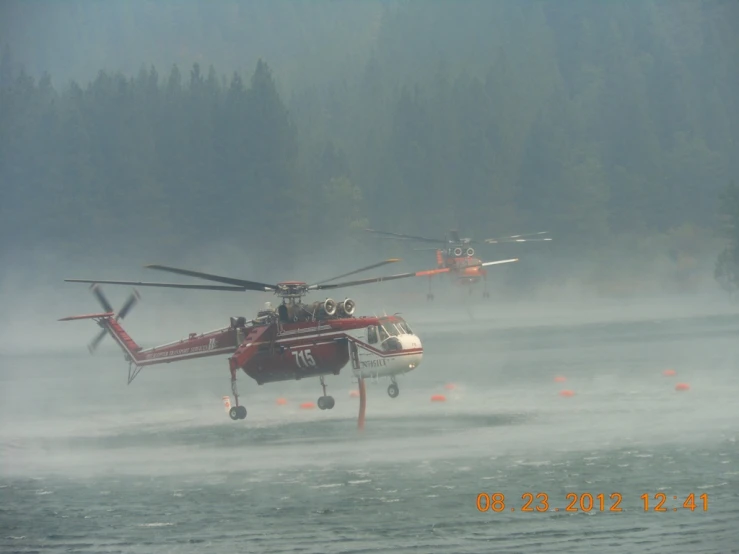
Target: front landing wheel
[393,391]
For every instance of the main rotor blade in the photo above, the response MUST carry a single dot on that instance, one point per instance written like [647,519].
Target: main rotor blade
[384,262]
[380,279]
[245,285]
[101,298]
[519,238]
[496,262]
[531,234]
[405,237]
[166,285]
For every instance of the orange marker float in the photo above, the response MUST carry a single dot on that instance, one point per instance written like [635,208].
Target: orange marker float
[668,372]
[307,406]
[438,398]
[450,386]
[281,401]
[353,393]
[566,392]
[682,386]
[559,379]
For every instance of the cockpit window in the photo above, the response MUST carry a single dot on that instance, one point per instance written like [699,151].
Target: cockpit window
[405,327]
[393,328]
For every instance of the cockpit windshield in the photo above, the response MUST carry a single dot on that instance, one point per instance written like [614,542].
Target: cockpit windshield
[393,326]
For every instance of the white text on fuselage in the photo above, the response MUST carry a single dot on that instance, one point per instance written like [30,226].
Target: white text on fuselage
[192,350]
[374,363]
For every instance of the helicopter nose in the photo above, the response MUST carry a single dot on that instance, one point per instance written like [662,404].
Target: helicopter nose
[414,347]
[412,342]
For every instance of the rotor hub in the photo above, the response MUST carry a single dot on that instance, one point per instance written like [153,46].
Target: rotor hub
[291,289]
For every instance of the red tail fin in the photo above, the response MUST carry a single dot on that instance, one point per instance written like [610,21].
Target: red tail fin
[108,320]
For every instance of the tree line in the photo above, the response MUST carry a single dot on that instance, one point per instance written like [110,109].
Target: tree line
[604,131]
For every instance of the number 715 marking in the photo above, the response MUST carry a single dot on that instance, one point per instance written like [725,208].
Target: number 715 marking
[303,358]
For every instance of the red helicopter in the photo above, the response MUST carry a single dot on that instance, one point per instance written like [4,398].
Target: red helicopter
[295,341]
[456,257]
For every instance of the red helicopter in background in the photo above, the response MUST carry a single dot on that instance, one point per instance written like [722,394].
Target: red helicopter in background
[457,256]
[295,341]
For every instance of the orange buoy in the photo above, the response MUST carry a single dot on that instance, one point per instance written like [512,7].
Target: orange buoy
[450,386]
[668,372]
[682,386]
[559,379]
[307,405]
[281,401]
[438,398]
[566,392]
[354,393]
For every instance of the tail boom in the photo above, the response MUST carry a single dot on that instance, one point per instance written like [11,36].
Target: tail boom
[218,342]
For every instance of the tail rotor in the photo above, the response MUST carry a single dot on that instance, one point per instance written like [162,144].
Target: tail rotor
[94,343]
[127,306]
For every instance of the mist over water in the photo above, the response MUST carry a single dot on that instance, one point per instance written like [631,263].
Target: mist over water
[70,418]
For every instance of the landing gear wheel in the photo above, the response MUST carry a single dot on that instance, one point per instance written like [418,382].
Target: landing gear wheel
[393,391]
[237,412]
[326,402]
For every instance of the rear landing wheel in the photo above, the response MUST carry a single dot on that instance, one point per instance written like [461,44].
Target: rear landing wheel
[326,402]
[237,412]
[393,391]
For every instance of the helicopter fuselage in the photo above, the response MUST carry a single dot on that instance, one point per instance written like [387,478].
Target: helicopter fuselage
[271,351]
[463,269]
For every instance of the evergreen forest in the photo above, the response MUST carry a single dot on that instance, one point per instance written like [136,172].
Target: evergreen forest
[612,125]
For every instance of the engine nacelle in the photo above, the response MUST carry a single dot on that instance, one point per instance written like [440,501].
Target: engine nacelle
[457,251]
[329,306]
[470,252]
[347,306]
[319,309]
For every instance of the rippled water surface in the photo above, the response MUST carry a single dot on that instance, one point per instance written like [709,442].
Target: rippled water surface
[92,465]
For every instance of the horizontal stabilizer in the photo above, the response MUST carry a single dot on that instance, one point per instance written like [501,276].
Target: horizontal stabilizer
[88,316]
[500,262]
